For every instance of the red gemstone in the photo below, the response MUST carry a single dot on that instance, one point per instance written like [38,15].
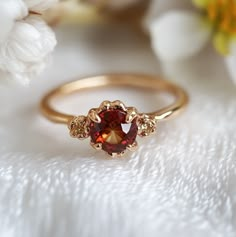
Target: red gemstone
[113,132]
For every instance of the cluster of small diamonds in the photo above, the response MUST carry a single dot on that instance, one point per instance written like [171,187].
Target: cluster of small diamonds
[146,125]
[79,127]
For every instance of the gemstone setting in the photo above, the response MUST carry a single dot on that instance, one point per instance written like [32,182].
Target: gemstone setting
[113,127]
[113,132]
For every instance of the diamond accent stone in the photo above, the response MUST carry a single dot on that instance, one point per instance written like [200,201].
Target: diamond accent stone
[146,125]
[79,127]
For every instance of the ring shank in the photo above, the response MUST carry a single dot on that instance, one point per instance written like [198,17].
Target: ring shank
[127,80]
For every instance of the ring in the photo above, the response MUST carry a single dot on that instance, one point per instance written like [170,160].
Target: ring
[114,127]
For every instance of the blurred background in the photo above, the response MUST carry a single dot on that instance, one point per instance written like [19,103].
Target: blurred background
[181,181]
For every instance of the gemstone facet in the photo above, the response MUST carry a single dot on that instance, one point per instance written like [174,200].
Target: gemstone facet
[113,132]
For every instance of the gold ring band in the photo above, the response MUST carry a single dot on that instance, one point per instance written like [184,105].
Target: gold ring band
[109,134]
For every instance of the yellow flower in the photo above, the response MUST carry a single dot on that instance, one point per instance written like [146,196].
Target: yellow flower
[180,31]
[221,15]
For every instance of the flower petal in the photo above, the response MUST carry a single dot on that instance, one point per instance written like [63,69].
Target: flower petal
[26,50]
[179,34]
[231,62]
[10,11]
[6,24]
[162,6]
[15,9]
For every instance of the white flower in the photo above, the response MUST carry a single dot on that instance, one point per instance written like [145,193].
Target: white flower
[187,40]
[25,40]
[178,34]
[10,11]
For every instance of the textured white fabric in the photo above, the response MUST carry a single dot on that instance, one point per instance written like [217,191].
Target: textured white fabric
[181,181]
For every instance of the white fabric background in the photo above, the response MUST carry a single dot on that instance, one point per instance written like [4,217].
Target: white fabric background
[181,181]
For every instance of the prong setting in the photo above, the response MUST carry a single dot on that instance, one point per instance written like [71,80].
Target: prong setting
[96,146]
[117,155]
[110,130]
[113,155]
[93,115]
[105,105]
[121,154]
[118,104]
[133,147]
[132,113]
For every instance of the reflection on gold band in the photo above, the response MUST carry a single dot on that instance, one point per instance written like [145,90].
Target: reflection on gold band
[126,80]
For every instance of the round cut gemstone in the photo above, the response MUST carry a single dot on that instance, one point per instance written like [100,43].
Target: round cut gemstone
[113,132]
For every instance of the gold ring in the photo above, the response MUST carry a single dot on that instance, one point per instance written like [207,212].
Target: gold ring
[113,127]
